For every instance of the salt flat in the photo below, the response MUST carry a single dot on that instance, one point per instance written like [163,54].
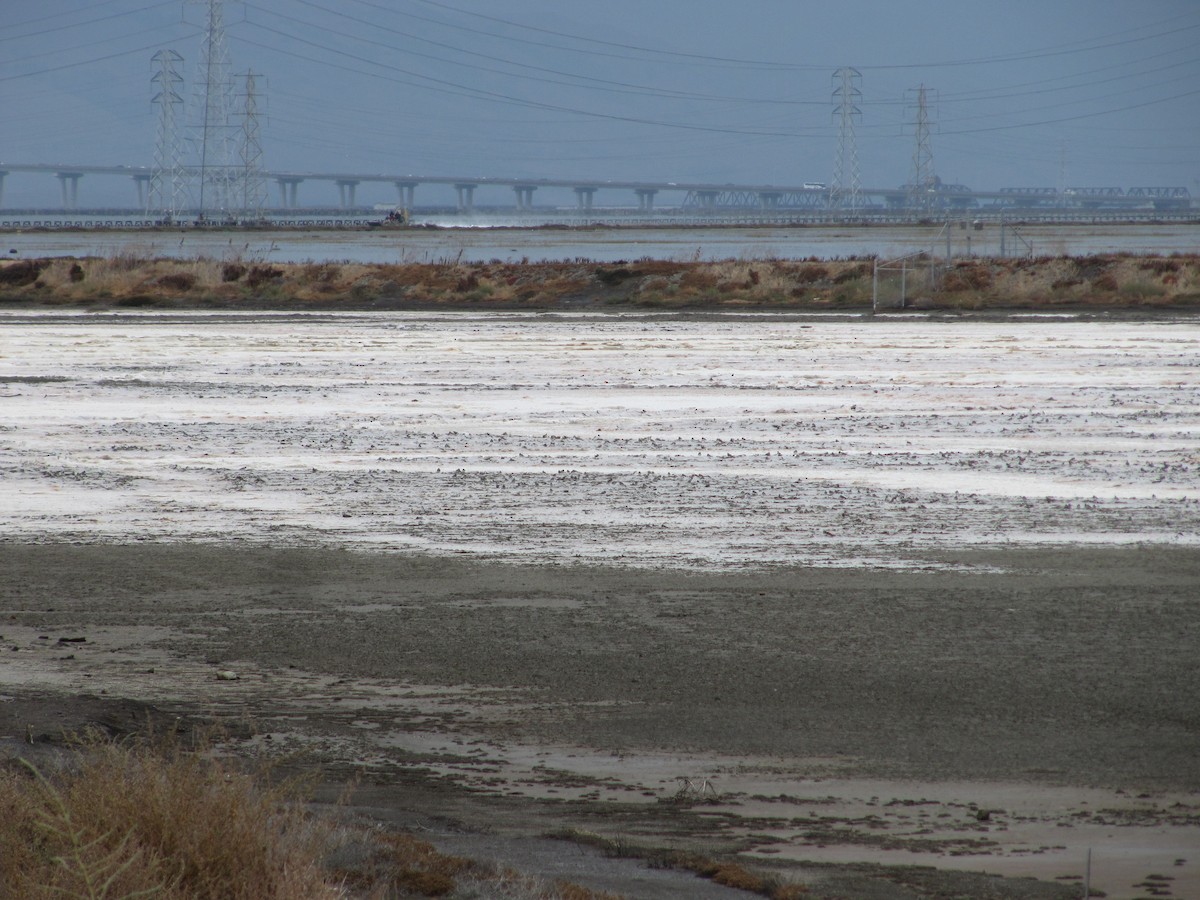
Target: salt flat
[704,442]
[873,577]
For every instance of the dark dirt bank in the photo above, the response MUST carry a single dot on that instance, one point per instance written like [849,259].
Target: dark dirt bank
[1063,663]
[1115,282]
[1059,667]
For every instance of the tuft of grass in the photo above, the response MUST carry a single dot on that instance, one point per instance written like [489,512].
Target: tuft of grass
[723,872]
[150,818]
[128,821]
[1141,290]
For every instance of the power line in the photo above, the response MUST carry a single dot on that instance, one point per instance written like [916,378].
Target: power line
[591,82]
[59,52]
[1076,118]
[81,62]
[79,24]
[445,86]
[1081,46]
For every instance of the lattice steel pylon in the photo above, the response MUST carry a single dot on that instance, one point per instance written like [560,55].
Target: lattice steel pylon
[923,182]
[213,131]
[846,97]
[168,184]
[252,182]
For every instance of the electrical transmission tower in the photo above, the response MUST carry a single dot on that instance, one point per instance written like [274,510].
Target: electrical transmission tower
[253,183]
[846,97]
[213,133]
[923,183]
[168,188]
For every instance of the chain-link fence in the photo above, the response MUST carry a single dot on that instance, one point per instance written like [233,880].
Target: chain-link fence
[896,282]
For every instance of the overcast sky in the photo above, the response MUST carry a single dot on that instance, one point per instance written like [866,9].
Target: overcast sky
[1051,93]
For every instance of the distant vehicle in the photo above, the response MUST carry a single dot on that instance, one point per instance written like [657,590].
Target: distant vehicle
[814,185]
[396,218]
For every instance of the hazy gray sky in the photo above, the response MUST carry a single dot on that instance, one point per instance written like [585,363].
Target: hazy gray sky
[1021,93]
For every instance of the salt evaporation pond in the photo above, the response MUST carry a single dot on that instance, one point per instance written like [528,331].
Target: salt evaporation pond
[482,244]
[708,442]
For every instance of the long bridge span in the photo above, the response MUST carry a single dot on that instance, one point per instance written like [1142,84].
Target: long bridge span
[644,196]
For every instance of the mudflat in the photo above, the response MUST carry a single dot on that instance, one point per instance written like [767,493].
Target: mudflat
[1002,711]
[900,607]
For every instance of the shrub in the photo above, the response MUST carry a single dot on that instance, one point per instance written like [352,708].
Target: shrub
[1159,266]
[22,273]
[232,272]
[178,281]
[262,274]
[977,276]
[698,280]
[1140,290]
[854,272]
[970,277]
[953,282]
[321,273]
[613,276]
[734,876]
[139,822]
[812,273]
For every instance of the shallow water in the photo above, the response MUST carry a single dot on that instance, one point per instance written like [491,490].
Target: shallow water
[708,442]
[607,244]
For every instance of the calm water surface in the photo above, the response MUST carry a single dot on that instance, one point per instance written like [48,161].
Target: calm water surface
[608,244]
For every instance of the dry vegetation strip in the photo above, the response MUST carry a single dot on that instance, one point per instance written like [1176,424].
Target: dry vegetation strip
[723,872]
[1094,281]
[151,819]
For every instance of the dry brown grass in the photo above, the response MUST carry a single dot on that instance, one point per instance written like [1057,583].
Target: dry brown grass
[133,821]
[131,279]
[151,819]
[724,872]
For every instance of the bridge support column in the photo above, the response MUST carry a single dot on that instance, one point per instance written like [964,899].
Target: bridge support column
[708,199]
[769,199]
[466,196]
[2,174]
[645,198]
[69,182]
[142,183]
[346,190]
[584,197]
[406,190]
[524,194]
[287,190]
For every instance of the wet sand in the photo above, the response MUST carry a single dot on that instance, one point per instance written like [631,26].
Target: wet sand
[843,715]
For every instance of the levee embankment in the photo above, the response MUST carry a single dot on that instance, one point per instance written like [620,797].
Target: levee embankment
[1110,282]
